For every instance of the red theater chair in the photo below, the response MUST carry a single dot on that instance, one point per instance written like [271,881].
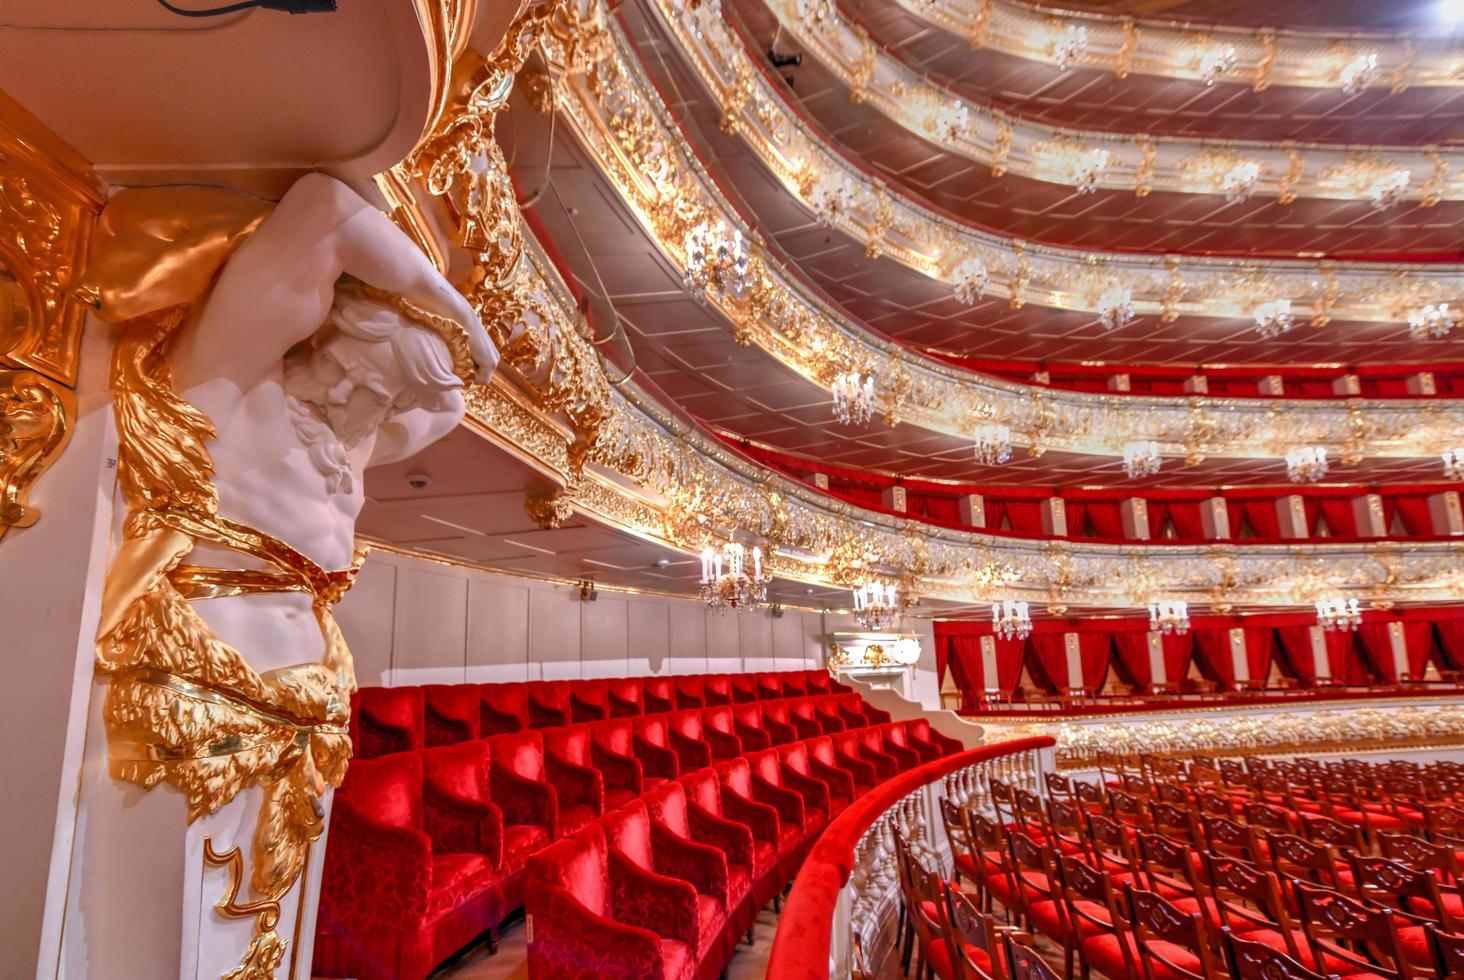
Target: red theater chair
[744,688]
[569,753]
[688,740]
[717,689]
[920,732]
[719,729]
[747,721]
[520,785]
[631,833]
[825,753]
[460,776]
[777,720]
[855,747]
[658,695]
[886,734]
[690,691]
[612,751]
[395,899]
[771,777]
[795,683]
[769,686]
[741,788]
[818,682]
[838,784]
[653,746]
[594,915]
[808,721]
[826,710]
[707,796]
[549,704]
[451,713]
[625,696]
[860,713]
[589,700]
[670,808]
[502,708]
[388,719]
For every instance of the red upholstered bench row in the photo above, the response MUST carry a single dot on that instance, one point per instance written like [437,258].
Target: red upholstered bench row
[397,719]
[427,847]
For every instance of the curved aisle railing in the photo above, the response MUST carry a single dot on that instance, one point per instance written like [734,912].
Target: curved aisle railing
[847,885]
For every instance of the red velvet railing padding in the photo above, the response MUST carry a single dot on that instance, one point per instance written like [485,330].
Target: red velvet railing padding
[804,938]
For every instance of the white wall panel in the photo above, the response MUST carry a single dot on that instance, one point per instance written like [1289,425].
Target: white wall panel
[724,642]
[429,637]
[365,618]
[554,634]
[649,632]
[603,637]
[789,652]
[498,631]
[688,639]
[756,641]
[813,640]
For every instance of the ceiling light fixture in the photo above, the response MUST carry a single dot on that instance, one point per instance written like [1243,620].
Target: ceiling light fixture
[1141,459]
[877,606]
[1088,168]
[1336,613]
[1306,464]
[1169,616]
[1071,44]
[969,280]
[853,395]
[992,444]
[1011,619]
[1273,318]
[1239,182]
[725,582]
[1216,62]
[1387,189]
[1431,322]
[1116,307]
[1454,464]
[1358,73]
[717,261]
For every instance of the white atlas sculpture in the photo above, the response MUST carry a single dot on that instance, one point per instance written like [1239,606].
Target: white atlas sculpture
[247,416]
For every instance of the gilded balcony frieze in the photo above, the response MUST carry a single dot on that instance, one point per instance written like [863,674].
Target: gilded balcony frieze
[613,110]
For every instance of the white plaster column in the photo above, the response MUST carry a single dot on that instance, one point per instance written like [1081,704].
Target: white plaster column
[1119,382]
[821,480]
[1197,385]
[1135,512]
[1398,644]
[973,510]
[1215,515]
[1444,511]
[1291,514]
[1239,662]
[1368,512]
[1157,673]
[893,498]
[1054,516]
[1422,383]
[1319,654]
[990,680]
[1347,386]
[1272,384]
[1074,651]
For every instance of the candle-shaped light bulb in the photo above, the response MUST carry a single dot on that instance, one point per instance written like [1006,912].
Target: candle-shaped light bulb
[757,564]
[706,560]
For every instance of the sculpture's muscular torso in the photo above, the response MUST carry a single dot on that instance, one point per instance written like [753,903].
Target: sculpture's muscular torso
[275,293]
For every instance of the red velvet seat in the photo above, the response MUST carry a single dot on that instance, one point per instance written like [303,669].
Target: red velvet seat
[658,695]
[717,690]
[862,773]
[684,729]
[719,730]
[818,681]
[521,785]
[826,711]
[747,724]
[549,704]
[873,748]
[795,684]
[625,696]
[396,900]
[777,720]
[804,715]
[652,847]
[598,916]
[589,700]
[839,784]
[737,781]
[770,686]
[653,747]
[669,806]
[860,713]
[744,688]
[502,708]
[690,691]
[705,794]
[853,749]
[571,749]
[451,713]
[893,736]
[919,730]
[388,719]
[773,781]
[612,751]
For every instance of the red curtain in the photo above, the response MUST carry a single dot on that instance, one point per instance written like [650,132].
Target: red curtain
[1451,642]
[1093,656]
[1414,512]
[1348,665]
[1261,515]
[1048,665]
[1156,510]
[1077,517]
[1106,518]
[1212,647]
[1340,517]
[1188,523]
[1260,650]
[1375,643]
[1131,649]
[1298,659]
[1418,639]
[1025,516]
[1178,648]
[1009,657]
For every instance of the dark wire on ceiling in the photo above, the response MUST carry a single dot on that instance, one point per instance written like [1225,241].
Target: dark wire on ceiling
[286,6]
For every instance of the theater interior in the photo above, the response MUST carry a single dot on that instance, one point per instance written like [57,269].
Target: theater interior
[732,489]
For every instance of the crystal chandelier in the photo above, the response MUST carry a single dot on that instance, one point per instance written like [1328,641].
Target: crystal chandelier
[717,261]
[1306,464]
[1273,318]
[1432,321]
[831,196]
[853,394]
[1358,73]
[877,606]
[1071,44]
[1116,306]
[1388,188]
[992,444]
[1011,620]
[1216,62]
[969,280]
[1338,614]
[1454,464]
[725,583]
[1240,181]
[1141,459]
[1169,616]
[1088,168]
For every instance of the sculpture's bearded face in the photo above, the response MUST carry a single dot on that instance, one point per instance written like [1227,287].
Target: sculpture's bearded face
[358,384]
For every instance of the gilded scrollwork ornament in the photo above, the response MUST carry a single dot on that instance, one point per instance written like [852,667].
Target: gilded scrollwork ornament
[35,414]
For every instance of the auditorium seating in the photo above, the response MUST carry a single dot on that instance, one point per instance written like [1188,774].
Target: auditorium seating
[1204,870]
[637,839]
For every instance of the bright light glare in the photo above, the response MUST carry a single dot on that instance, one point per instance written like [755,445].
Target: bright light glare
[1451,11]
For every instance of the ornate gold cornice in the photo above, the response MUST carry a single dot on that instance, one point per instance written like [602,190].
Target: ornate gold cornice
[48,204]
[614,111]
[1171,49]
[900,227]
[1136,162]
